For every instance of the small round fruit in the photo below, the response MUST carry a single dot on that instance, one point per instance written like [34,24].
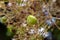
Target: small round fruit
[31,20]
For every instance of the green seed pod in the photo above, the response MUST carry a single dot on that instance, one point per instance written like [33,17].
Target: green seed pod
[31,20]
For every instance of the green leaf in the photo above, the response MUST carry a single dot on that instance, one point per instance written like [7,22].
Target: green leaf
[3,19]
[56,34]
[9,30]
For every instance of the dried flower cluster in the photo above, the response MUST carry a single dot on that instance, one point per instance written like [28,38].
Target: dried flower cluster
[15,13]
